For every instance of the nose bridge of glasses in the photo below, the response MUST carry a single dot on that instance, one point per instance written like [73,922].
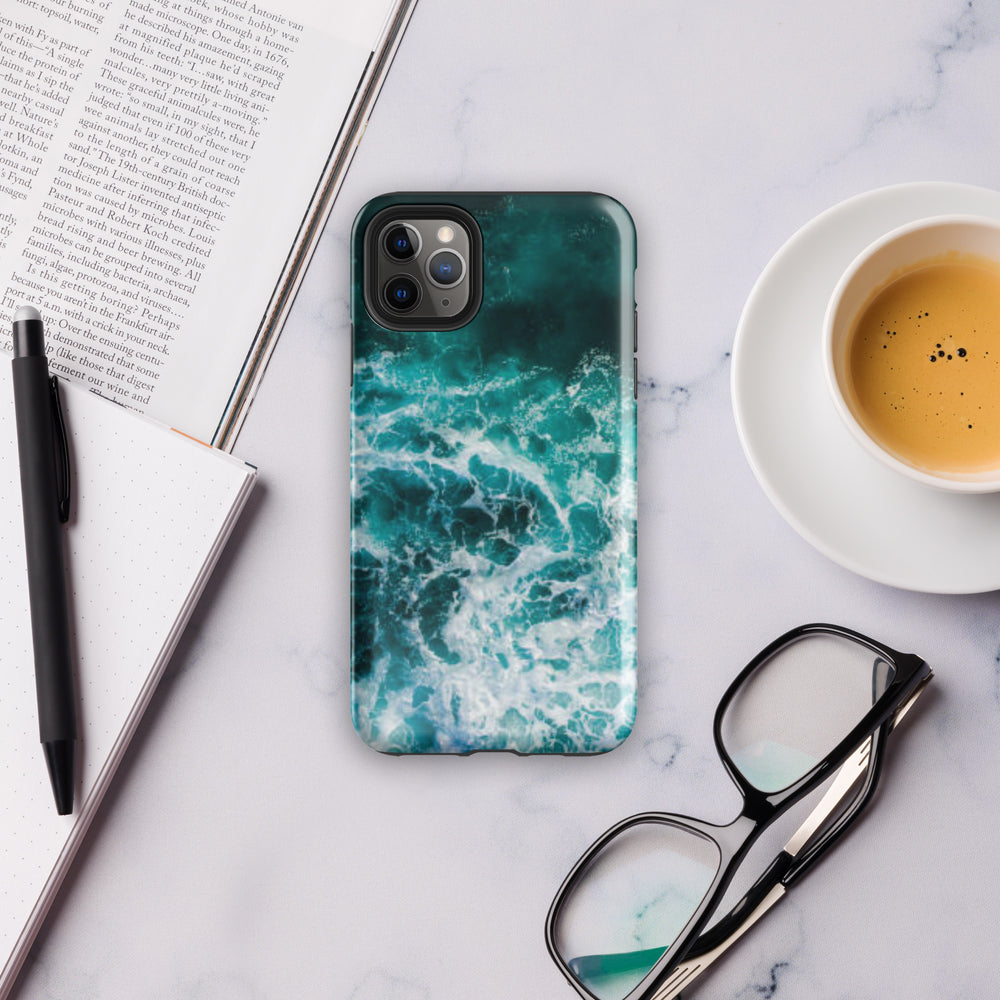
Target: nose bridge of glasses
[737,834]
[758,806]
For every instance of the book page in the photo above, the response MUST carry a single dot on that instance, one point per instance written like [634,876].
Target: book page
[156,159]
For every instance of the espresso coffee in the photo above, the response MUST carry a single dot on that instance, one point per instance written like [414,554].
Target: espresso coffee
[924,365]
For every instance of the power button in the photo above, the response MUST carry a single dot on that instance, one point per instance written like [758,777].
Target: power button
[635,349]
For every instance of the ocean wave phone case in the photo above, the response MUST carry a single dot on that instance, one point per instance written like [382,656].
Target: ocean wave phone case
[493,473]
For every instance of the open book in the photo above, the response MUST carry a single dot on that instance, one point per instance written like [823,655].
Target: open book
[165,170]
[151,511]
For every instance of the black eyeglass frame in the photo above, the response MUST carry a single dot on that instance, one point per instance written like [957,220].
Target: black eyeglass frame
[760,810]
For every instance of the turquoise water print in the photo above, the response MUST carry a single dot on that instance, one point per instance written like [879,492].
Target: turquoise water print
[494,505]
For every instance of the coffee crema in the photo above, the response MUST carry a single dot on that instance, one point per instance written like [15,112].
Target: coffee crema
[924,365]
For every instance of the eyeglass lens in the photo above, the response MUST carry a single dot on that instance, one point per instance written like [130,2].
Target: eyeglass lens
[795,708]
[632,903]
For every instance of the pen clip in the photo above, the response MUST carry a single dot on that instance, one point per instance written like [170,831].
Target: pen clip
[61,444]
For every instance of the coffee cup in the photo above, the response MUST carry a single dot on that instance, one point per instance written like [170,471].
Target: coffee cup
[911,349]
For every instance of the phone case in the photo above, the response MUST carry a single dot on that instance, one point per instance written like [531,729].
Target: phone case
[493,479]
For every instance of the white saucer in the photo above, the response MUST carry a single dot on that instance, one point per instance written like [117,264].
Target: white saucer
[863,516]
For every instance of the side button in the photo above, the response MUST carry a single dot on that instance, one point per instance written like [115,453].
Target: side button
[352,355]
[635,378]
[635,331]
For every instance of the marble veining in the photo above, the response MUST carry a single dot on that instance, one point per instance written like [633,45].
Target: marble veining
[663,751]
[960,36]
[379,986]
[664,402]
[769,989]
[966,33]
[669,402]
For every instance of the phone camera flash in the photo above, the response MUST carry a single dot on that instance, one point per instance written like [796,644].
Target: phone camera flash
[446,234]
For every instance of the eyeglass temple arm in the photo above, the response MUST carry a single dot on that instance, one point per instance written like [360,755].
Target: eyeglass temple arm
[788,866]
[866,761]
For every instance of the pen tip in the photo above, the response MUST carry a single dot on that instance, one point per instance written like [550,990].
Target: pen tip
[25,313]
[59,758]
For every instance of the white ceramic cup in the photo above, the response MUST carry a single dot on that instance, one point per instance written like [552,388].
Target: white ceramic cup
[877,265]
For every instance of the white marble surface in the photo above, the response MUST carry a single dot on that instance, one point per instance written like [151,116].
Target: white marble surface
[254,849]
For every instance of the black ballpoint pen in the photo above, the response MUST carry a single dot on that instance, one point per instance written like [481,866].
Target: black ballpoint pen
[39,434]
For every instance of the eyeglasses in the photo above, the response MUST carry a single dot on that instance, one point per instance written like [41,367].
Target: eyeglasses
[646,909]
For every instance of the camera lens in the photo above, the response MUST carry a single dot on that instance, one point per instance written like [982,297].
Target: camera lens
[401,293]
[445,267]
[401,242]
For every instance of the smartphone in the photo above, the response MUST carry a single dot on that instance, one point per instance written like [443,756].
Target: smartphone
[493,473]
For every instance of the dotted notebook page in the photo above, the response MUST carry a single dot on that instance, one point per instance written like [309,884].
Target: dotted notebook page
[150,512]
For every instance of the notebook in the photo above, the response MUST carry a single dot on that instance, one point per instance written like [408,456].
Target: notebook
[151,512]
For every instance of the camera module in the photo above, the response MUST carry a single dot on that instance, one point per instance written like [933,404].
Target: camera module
[422,266]
[445,268]
[401,293]
[401,242]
